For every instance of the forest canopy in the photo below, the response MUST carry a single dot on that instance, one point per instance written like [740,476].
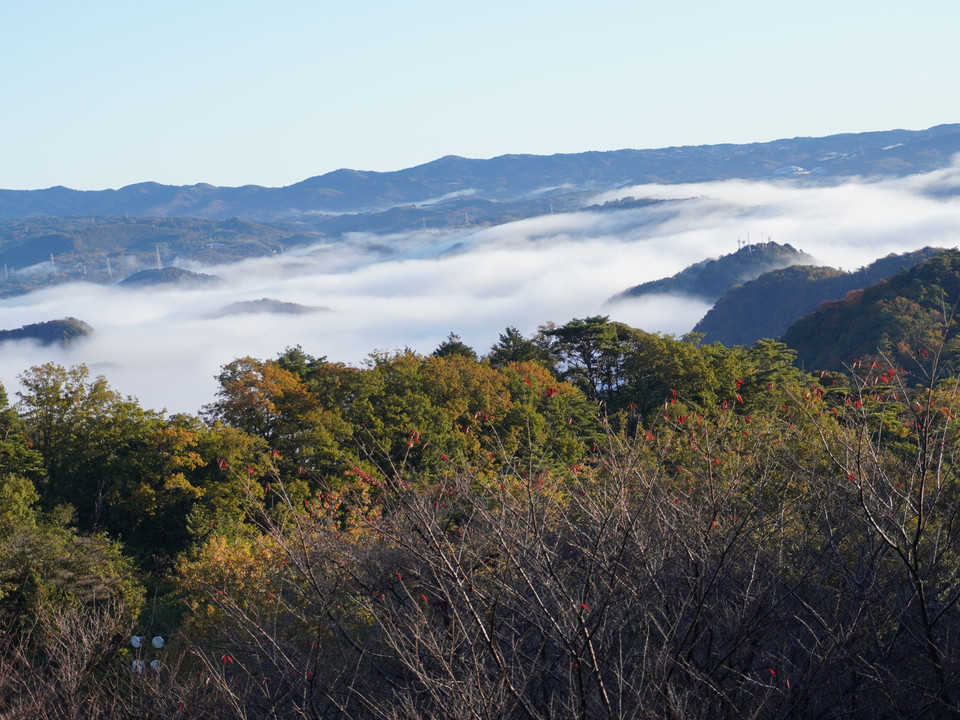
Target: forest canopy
[593,521]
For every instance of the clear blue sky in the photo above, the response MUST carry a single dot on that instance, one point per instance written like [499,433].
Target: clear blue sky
[102,94]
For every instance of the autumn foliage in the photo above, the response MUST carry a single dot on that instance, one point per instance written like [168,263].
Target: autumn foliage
[594,522]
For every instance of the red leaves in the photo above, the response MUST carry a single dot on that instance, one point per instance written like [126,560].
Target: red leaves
[399,577]
[226,659]
[527,381]
[222,464]
[552,392]
[739,398]
[584,606]
[444,457]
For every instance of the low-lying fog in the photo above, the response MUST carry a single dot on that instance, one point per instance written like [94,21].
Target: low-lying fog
[165,347]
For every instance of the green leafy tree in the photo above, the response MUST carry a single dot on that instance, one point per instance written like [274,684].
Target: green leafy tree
[513,347]
[452,346]
[265,400]
[589,352]
[86,434]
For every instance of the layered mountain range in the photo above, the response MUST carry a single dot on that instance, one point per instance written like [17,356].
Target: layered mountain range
[510,182]
[135,234]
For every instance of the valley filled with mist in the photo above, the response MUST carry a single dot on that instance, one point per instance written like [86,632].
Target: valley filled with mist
[410,288]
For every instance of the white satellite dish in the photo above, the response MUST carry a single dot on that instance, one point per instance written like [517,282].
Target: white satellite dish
[155,664]
[138,665]
[157,642]
[136,640]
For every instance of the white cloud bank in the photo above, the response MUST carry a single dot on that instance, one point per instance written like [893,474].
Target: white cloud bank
[163,347]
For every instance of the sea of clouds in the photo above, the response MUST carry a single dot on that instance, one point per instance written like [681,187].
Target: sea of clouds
[386,293]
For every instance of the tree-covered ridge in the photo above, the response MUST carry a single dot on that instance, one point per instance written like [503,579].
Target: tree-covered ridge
[267,305]
[593,521]
[710,279]
[907,314]
[63,331]
[157,277]
[767,306]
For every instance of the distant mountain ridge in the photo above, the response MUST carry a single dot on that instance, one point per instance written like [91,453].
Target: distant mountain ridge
[171,276]
[709,279]
[455,179]
[267,305]
[105,249]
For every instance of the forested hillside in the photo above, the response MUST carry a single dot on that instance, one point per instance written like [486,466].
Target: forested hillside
[590,522]
[767,306]
[910,312]
[63,331]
